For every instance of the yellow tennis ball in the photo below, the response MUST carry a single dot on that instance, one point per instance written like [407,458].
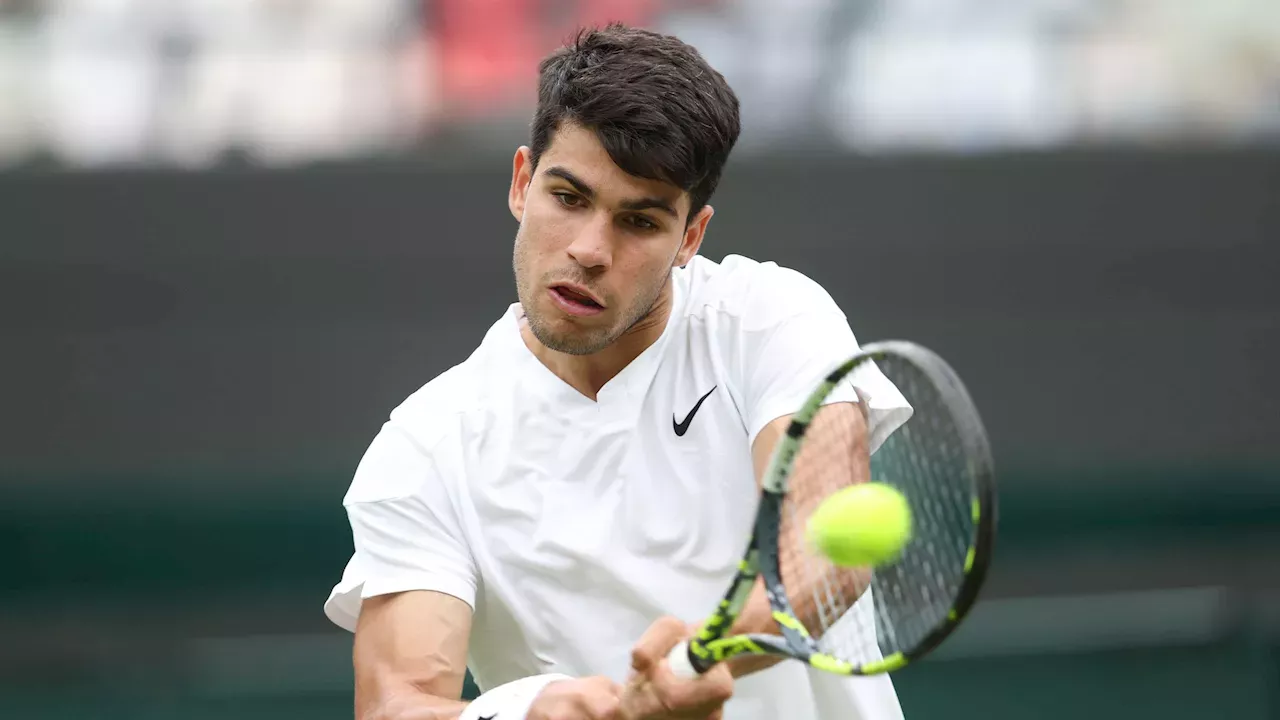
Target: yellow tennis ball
[865,524]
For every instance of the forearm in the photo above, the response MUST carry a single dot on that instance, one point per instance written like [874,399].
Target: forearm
[410,656]
[413,704]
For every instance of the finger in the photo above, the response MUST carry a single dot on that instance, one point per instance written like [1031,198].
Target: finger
[702,695]
[656,642]
[601,699]
[718,684]
[639,699]
[606,687]
[604,706]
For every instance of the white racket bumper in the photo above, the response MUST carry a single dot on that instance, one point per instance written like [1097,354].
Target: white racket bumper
[678,659]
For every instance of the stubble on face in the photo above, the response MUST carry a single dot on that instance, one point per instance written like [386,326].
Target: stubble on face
[577,338]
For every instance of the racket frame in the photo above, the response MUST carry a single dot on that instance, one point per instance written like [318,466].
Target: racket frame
[711,645]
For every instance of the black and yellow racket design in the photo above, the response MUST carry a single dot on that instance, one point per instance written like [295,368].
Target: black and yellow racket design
[864,621]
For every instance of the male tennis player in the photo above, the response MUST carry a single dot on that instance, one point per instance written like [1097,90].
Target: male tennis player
[556,509]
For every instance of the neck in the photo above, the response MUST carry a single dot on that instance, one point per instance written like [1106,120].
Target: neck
[589,373]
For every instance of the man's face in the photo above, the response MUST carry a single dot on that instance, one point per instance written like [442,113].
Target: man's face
[595,245]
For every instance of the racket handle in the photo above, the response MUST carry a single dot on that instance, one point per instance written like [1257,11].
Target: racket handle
[680,661]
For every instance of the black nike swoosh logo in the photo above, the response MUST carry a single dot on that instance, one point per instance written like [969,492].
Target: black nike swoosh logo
[682,426]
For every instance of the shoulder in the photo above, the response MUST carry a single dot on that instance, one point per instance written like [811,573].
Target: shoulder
[431,411]
[423,436]
[756,294]
[437,409]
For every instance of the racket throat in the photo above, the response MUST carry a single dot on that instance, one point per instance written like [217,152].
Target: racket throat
[767,534]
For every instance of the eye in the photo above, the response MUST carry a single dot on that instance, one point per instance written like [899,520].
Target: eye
[568,199]
[643,223]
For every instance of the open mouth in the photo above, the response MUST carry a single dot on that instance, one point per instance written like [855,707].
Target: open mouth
[574,302]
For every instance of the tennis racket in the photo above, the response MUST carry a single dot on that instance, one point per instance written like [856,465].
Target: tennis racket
[865,621]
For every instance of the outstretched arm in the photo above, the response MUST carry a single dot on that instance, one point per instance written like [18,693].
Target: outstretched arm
[840,458]
[410,656]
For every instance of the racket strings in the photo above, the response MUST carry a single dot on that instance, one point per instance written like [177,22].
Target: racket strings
[821,467]
[855,614]
[927,461]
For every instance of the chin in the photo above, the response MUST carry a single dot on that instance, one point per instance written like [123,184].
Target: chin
[574,341]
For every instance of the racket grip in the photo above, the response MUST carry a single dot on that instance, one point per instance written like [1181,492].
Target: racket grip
[681,663]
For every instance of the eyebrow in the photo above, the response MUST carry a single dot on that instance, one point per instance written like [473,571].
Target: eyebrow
[648,203]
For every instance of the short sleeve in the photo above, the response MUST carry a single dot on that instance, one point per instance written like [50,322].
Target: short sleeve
[404,527]
[785,361]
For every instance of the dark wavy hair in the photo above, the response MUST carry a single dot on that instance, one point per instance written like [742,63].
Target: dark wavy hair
[658,108]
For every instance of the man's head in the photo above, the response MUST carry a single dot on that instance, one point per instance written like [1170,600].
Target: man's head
[630,136]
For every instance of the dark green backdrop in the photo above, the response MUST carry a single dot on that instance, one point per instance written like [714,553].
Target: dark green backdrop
[193,363]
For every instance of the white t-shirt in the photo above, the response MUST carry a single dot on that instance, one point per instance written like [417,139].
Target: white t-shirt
[569,525]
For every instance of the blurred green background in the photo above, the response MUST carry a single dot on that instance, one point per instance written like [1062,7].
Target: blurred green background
[233,237]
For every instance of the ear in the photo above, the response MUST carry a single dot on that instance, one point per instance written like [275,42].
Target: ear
[693,235]
[521,176]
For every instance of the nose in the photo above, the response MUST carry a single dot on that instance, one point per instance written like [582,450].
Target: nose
[592,247]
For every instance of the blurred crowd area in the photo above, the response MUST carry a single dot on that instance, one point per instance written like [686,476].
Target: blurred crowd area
[108,83]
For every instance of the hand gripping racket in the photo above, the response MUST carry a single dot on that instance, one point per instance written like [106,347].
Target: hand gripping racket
[865,621]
